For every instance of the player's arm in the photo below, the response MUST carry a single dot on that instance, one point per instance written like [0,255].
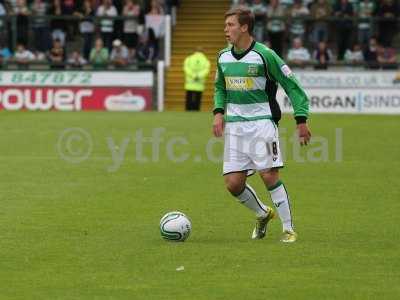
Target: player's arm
[219,102]
[282,74]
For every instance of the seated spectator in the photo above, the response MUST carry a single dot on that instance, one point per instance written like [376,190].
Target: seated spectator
[23,56]
[57,55]
[322,55]
[387,57]
[5,54]
[119,54]
[371,54]
[76,60]
[39,56]
[99,54]
[132,56]
[298,56]
[354,55]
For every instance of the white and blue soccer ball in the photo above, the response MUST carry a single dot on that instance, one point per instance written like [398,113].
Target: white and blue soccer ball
[175,226]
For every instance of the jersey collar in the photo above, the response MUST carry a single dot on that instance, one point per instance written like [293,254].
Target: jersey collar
[239,56]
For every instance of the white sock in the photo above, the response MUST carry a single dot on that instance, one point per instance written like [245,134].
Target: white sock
[280,198]
[249,199]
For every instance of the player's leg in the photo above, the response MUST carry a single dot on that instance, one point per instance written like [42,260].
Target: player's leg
[281,200]
[236,184]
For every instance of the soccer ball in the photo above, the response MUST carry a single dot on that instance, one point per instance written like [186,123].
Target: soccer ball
[175,226]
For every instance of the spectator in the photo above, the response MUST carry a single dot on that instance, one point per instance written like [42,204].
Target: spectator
[58,25]
[297,26]
[3,24]
[387,57]
[57,55]
[388,10]
[365,11]
[298,56]
[99,54]
[39,56]
[196,67]
[68,7]
[40,26]
[86,27]
[320,11]
[147,49]
[371,54]
[259,10]
[5,54]
[354,55]
[344,26]
[107,9]
[243,3]
[119,54]
[131,27]
[323,56]
[276,25]
[23,56]
[155,8]
[22,11]
[76,60]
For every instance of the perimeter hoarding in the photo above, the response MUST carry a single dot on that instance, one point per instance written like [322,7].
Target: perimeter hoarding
[76,90]
[356,92]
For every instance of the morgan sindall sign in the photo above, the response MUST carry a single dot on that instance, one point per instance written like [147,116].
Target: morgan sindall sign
[75,91]
[349,92]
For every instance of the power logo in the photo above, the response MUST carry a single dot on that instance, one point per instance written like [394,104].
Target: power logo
[43,99]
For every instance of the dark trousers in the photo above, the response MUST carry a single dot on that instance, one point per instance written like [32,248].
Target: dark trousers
[193,100]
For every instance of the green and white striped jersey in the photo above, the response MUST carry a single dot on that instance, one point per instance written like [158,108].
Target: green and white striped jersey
[241,79]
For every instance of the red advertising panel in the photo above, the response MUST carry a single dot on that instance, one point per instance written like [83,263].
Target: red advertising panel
[70,98]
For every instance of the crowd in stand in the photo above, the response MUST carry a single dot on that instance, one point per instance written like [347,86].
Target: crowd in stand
[320,32]
[78,32]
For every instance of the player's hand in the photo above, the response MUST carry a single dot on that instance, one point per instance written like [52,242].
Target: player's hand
[304,133]
[218,125]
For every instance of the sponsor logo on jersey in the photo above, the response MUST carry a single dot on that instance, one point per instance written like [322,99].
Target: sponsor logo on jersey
[286,70]
[252,70]
[239,83]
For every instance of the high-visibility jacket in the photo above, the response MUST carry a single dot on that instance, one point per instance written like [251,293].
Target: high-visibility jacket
[196,67]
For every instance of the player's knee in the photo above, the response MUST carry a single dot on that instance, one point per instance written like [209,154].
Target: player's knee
[270,177]
[235,187]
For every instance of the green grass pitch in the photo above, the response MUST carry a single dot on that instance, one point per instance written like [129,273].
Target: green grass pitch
[76,228]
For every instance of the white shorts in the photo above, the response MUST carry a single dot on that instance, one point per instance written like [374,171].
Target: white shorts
[251,146]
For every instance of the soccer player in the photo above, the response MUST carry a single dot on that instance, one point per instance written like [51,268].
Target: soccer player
[242,113]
